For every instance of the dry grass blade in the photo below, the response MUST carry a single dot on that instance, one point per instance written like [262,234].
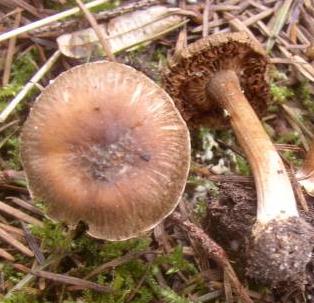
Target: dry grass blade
[42,22]
[294,114]
[210,296]
[116,262]
[280,19]
[64,279]
[5,255]
[61,27]
[204,172]
[288,147]
[227,288]
[102,36]
[237,24]
[6,237]
[205,18]
[17,233]
[253,19]
[16,213]
[19,97]
[298,191]
[22,4]
[306,69]
[32,243]
[10,51]
[26,205]
[214,251]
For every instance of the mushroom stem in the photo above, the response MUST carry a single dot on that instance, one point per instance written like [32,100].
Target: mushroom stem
[274,192]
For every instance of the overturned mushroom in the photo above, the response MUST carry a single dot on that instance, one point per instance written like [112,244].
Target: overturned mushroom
[306,173]
[105,145]
[224,75]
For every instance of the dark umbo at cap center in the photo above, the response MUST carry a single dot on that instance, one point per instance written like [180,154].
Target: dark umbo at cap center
[106,161]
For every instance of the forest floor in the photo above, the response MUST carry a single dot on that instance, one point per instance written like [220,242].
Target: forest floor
[199,254]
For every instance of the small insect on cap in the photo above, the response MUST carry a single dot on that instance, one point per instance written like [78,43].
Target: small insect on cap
[105,145]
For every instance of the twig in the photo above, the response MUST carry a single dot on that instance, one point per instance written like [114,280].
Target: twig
[240,26]
[298,120]
[223,8]
[11,50]
[67,26]
[205,18]
[298,190]
[4,236]
[5,126]
[253,19]
[181,42]
[14,231]
[19,214]
[213,250]
[32,243]
[19,97]
[26,205]
[48,20]
[30,277]
[102,37]
[22,4]
[116,262]
[5,255]
[71,280]
[279,21]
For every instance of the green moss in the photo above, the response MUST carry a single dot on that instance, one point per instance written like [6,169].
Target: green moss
[123,280]
[291,157]
[116,249]
[200,208]
[166,294]
[280,94]
[22,70]
[176,261]
[10,273]
[40,203]
[105,6]
[242,166]
[303,92]
[291,137]
[55,5]
[53,235]
[20,297]
[12,147]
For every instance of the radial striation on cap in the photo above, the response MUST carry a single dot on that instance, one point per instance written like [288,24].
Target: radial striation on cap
[188,74]
[105,145]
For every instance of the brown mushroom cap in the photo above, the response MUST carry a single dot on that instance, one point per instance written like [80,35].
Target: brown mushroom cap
[105,145]
[188,74]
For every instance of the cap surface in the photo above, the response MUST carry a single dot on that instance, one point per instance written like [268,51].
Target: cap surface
[187,75]
[105,145]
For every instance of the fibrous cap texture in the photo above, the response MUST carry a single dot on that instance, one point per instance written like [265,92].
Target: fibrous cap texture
[105,145]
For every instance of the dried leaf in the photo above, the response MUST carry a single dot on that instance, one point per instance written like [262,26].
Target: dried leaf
[124,32]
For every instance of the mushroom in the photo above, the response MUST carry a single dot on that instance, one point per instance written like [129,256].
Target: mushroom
[105,145]
[306,173]
[221,76]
